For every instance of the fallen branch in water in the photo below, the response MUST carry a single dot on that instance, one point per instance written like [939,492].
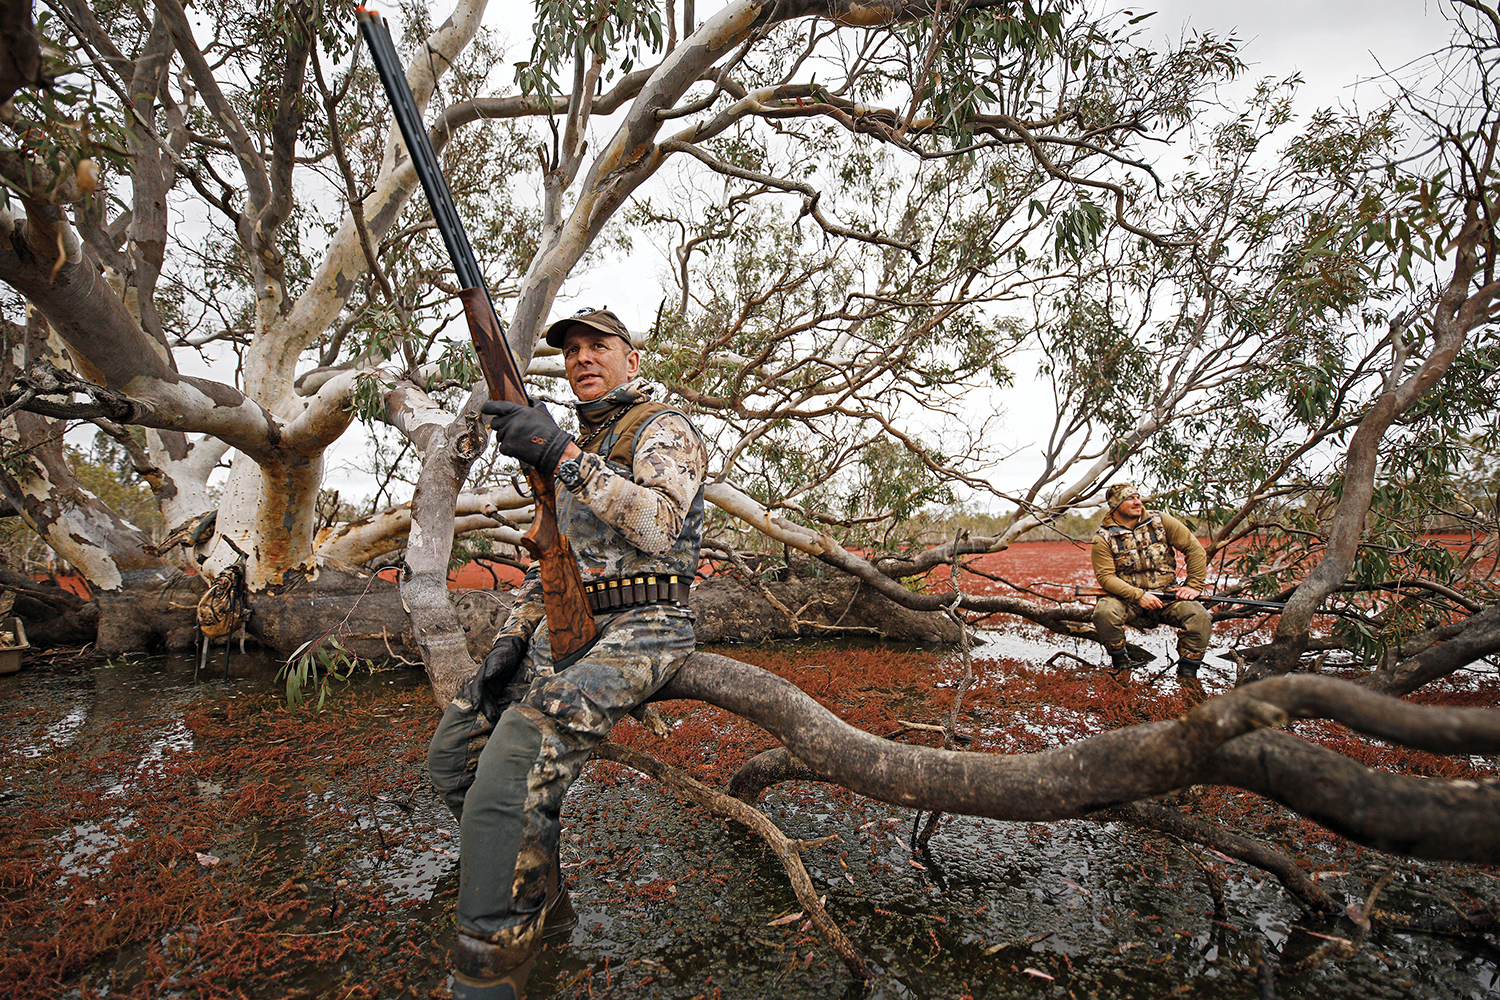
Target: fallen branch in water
[786,849]
[1227,740]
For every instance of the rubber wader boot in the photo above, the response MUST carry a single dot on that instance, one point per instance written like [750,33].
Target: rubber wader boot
[1187,679]
[479,970]
[506,986]
[1119,664]
[491,970]
[561,918]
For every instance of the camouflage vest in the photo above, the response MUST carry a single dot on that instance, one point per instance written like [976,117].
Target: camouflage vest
[1142,556]
[603,553]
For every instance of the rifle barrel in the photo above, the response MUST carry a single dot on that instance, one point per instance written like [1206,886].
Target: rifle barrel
[1211,599]
[1081,591]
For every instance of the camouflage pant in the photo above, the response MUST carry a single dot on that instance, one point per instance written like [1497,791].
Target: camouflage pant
[505,783]
[1189,618]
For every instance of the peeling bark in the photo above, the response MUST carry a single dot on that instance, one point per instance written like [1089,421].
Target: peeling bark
[109,551]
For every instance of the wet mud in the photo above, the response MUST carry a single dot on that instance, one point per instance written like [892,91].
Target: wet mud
[171,836]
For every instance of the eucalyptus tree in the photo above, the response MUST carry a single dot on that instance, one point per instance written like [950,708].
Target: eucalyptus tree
[238,184]
[232,189]
[948,172]
[1225,361]
[1361,275]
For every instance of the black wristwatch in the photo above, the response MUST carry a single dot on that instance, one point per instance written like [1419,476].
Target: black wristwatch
[569,473]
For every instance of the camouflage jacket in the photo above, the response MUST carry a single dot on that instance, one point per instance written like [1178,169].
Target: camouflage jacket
[1130,561]
[639,506]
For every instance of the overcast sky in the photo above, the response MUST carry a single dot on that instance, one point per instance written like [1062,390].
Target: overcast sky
[1333,44]
[1341,48]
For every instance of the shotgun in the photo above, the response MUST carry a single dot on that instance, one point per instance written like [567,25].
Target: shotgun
[569,620]
[1081,591]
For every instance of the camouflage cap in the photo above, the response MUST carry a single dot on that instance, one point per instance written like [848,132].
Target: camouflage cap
[599,319]
[1118,493]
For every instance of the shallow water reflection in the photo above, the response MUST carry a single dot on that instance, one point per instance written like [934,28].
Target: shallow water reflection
[337,872]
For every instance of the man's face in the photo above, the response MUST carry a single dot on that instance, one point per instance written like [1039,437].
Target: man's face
[1132,506]
[597,362]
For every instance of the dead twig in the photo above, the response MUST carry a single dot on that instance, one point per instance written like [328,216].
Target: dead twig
[786,849]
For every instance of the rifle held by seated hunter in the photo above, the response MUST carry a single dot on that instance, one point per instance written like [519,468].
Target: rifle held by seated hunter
[569,620]
[1164,595]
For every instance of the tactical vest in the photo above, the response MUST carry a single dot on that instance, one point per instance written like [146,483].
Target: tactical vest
[1142,556]
[603,553]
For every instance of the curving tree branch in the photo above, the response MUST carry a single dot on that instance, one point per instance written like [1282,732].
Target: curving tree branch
[1224,740]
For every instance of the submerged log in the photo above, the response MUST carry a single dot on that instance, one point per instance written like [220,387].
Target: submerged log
[159,615]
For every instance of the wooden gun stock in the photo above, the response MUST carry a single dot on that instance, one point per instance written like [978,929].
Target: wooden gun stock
[569,620]
[570,624]
[1079,590]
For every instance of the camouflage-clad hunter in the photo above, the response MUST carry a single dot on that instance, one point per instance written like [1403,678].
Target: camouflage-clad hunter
[516,735]
[1135,553]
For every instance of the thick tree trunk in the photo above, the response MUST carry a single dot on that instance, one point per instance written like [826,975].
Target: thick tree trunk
[150,620]
[114,334]
[111,553]
[363,612]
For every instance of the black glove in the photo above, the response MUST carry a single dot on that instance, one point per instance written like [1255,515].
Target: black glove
[528,433]
[486,689]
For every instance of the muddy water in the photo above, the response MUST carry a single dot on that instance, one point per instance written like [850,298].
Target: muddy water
[673,903]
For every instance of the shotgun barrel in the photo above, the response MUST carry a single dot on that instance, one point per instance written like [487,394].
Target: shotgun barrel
[569,621]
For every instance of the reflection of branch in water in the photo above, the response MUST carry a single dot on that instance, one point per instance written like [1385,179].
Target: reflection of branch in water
[1173,822]
[920,840]
[1344,948]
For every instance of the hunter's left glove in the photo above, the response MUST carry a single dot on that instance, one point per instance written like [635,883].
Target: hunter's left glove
[486,689]
[527,432]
